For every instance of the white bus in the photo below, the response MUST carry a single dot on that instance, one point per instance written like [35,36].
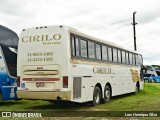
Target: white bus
[61,63]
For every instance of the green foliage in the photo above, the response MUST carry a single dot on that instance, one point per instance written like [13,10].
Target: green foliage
[147,99]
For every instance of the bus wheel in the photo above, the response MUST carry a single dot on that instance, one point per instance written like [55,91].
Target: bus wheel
[136,88]
[0,96]
[96,96]
[107,94]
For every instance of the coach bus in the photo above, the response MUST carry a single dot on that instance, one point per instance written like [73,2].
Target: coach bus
[61,63]
[8,64]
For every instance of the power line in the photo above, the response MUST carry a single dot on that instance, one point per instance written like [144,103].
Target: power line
[111,30]
[100,27]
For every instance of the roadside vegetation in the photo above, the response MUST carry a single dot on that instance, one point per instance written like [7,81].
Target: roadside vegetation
[146,100]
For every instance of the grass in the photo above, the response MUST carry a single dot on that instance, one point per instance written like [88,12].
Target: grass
[146,100]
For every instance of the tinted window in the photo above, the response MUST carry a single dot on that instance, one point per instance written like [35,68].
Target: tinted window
[127,58]
[137,60]
[123,57]
[91,50]
[8,37]
[110,53]
[73,46]
[114,55]
[77,46]
[140,59]
[98,52]
[83,48]
[119,56]
[104,53]
[130,58]
[9,43]
[133,59]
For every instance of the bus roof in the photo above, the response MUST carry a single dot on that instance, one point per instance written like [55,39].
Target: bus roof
[98,40]
[2,28]
[8,37]
[81,34]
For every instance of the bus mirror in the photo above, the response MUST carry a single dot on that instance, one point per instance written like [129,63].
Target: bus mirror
[0,57]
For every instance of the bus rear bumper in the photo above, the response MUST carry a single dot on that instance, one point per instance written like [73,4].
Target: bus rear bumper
[44,95]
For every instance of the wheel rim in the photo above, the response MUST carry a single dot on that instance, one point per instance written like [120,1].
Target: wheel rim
[107,95]
[97,97]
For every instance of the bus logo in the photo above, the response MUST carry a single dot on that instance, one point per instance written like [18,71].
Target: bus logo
[41,38]
[101,70]
[57,36]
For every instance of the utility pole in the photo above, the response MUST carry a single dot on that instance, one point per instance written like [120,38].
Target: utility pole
[134,30]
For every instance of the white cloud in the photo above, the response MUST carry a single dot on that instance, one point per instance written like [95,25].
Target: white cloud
[86,14]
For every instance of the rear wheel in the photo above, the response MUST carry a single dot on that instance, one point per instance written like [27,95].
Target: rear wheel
[137,88]
[0,96]
[96,96]
[107,94]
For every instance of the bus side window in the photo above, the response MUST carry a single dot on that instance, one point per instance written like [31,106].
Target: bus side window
[127,58]
[110,54]
[73,46]
[104,53]
[130,58]
[119,56]
[98,52]
[83,48]
[2,62]
[123,57]
[77,46]
[115,55]
[140,59]
[91,50]
[137,60]
[134,59]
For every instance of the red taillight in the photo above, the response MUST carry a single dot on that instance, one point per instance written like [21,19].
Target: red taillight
[26,88]
[65,81]
[18,81]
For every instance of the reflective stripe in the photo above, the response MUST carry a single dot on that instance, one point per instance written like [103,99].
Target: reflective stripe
[40,79]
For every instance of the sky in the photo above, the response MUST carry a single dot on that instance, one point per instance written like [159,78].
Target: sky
[105,19]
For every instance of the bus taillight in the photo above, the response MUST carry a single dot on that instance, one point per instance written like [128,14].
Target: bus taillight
[18,81]
[65,81]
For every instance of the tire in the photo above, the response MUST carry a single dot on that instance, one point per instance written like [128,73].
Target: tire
[96,96]
[107,94]
[0,96]
[136,89]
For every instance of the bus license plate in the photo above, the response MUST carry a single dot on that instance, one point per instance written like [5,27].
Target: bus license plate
[40,84]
